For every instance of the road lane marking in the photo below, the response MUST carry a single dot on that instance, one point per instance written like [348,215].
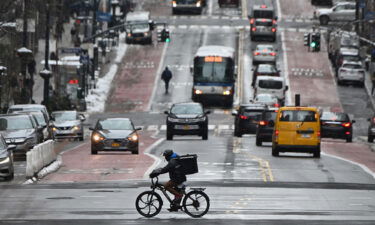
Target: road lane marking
[157,160]
[239,82]
[244,9]
[285,65]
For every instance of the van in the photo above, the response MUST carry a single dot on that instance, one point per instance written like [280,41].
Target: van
[271,85]
[297,129]
[138,27]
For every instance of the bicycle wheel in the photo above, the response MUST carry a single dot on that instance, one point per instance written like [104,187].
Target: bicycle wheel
[196,203]
[148,203]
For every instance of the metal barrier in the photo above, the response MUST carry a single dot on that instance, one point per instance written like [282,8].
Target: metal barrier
[39,157]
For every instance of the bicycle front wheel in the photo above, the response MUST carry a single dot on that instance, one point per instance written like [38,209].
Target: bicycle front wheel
[196,203]
[148,203]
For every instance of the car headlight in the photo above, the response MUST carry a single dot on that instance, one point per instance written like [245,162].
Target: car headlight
[97,137]
[76,128]
[5,160]
[129,34]
[54,129]
[146,33]
[133,137]
[175,120]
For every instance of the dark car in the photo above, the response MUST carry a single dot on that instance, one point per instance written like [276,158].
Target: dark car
[6,159]
[336,125]
[114,134]
[247,118]
[187,119]
[371,129]
[322,2]
[263,29]
[20,130]
[265,126]
[265,70]
[67,124]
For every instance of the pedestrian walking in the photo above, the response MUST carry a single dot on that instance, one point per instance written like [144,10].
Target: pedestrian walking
[166,76]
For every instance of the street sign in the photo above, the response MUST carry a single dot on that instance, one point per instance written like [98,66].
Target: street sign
[103,17]
[71,50]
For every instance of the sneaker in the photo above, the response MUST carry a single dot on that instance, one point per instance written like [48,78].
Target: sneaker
[174,208]
[177,200]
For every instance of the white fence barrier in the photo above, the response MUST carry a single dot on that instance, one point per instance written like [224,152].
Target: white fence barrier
[40,156]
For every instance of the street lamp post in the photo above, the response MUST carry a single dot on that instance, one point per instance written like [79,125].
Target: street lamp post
[46,74]
[26,56]
[3,70]
[114,4]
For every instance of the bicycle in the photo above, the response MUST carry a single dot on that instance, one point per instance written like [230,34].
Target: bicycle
[149,203]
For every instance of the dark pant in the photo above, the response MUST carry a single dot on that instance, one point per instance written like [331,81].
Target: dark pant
[166,85]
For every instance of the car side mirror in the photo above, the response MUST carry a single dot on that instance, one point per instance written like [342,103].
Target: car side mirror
[234,113]
[91,128]
[353,121]
[286,87]
[271,123]
[138,128]
[276,17]
[208,112]
[11,147]
[82,117]
[166,112]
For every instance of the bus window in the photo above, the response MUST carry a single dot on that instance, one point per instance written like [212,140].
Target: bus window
[213,69]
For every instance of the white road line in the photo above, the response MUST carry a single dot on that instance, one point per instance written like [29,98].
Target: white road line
[152,127]
[157,160]
[211,127]
[210,6]
[163,127]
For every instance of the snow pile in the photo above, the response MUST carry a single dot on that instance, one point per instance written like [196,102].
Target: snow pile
[97,98]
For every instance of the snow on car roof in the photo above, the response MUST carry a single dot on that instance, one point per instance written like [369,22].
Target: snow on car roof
[215,50]
[137,16]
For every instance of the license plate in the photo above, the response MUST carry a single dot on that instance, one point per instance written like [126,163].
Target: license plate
[306,135]
[186,127]
[115,144]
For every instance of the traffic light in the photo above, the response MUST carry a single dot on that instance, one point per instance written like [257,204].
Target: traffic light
[163,35]
[306,39]
[315,42]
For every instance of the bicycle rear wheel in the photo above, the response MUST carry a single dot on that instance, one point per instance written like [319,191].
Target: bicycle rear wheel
[148,203]
[196,203]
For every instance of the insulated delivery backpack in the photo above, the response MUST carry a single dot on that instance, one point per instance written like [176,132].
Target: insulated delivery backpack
[188,163]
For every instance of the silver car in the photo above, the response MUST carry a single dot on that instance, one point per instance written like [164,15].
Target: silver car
[263,28]
[351,71]
[67,124]
[20,130]
[264,53]
[6,160]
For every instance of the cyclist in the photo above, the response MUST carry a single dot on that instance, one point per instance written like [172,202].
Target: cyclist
[176,176]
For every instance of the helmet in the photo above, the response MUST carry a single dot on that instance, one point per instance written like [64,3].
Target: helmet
[168,153]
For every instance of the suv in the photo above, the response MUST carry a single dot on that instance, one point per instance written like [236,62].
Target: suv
[68,124]
[187,118]
[264,70]
[247,118]
[263,28]
[342,11]
[351,72]
[265,126]
[336,125]
[346,54]
[29,107]
[195,6]
[262,11]
[371,129]
[297,129]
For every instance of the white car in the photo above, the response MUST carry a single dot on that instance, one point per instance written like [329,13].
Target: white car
[342,11]
[267,99]
[351,71]
[264,53]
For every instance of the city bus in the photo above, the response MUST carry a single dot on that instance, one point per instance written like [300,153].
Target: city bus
[214,75]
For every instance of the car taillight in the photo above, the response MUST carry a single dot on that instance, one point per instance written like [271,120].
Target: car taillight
[347,133]
[254,29]
[243,117]
[251,21]
[373,119]
[276,133]
[273,29]
[272,53]
[276,105]
[263,123]
[274,21]
[256,53]
[346,124]
[318,133]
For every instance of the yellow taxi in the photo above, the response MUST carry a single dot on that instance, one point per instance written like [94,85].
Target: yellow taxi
[297,129]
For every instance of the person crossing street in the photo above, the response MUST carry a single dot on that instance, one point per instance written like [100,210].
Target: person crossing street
[166,76]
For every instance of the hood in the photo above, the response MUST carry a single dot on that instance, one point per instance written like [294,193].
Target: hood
[66,123]
[120,134]
[188,116]
[17,133]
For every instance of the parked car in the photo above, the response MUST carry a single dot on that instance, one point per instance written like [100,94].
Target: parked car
[20,130]
[246,118]
[187,118]
[263,29]
[342,11]
[352,72]
[67,124]
[371,129]
[42,120]
[336,125]
[269,100]
[264,53]
[114,134]
[28,107]
[265,70]
[6,159]
[265,126]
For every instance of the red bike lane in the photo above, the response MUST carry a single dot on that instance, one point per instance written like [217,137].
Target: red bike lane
[310,76]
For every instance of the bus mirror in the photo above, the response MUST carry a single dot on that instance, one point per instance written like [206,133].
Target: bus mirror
[286,87]
[191,69]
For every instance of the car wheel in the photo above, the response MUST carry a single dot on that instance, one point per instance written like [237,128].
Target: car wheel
[205,134]
[370,138]
[317,153]
[349,139]
[81,138]
[94,151]
[10,177]
[237,133]
[169,135]
[135,151]
[275,151]
[258,142]
[324,20]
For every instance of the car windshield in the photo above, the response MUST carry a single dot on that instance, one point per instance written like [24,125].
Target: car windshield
[270,84]
[270,115]
[64,116]
[263,14]
[187,109]
[252,114]
[333,116]
[352,66]
[354,58]
[264,48]
[114,124]
[15,123]
[40,118]
[298,116]
[264,68]
[138,26]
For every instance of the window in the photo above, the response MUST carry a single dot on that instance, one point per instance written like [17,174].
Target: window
[264,68]
[298,116]
[112,124]
[263,14]
[187,109]
[64,116]
[332,116]
[15,123]
[270,84]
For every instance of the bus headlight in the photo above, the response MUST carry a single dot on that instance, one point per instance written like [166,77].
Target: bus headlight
[227,92]
[199,4]
[198,92]
[174,4]
[129,34]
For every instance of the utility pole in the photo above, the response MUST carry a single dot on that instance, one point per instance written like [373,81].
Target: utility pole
[94,8]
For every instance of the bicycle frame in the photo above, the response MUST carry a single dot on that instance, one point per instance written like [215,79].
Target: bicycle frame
[160,187]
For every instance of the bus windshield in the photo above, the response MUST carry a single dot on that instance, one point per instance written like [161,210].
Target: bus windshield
[217,70]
